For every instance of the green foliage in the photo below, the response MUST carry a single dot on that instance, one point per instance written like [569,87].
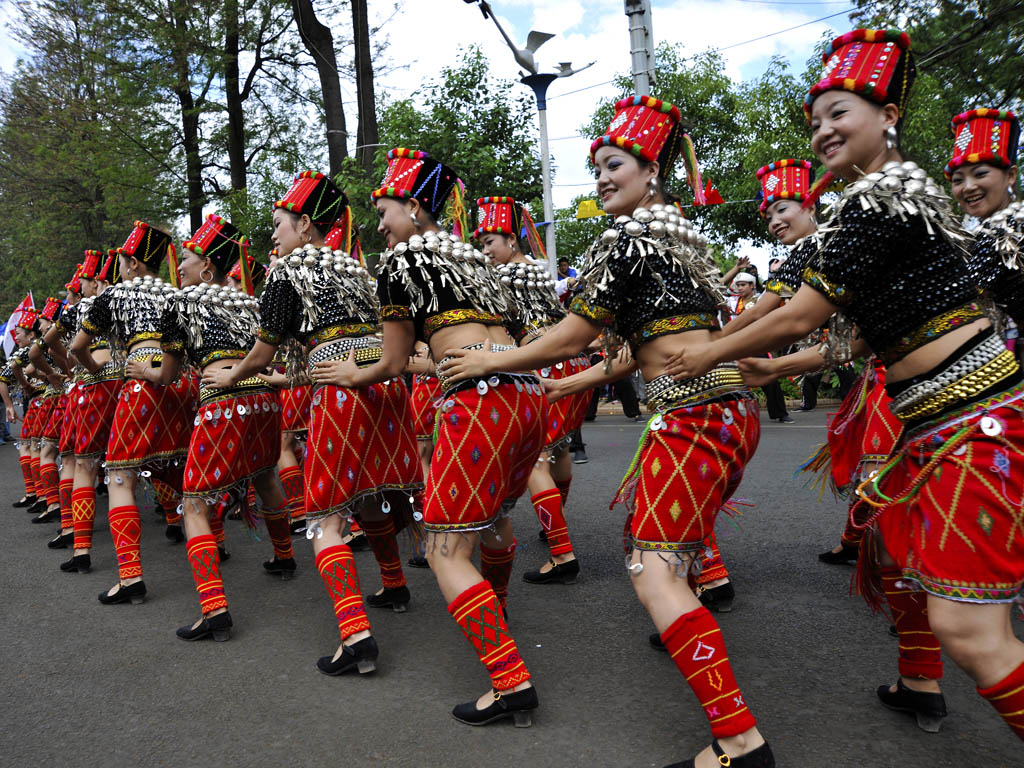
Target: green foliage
[481,126]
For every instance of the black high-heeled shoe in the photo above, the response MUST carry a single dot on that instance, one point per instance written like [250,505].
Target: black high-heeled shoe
[361,656]
[542,535]
[77,564]
[561,573]
[218,627]
[655,640]
[38,506]
[133,593]
[518,705]
[174,533]
[928,708]
[761,757]
[48,516]
[718,599]
[285,568]
[418,561]
[24,501]
[395,598]
[222,554]
[61,541]
[846,555]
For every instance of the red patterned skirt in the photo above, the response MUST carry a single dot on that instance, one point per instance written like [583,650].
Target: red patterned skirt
[295,405]
[864,430]
[426,391]
[55,420]
[236,436]
[69,424]
[690,461]
[361,442]
[955,522]
[152,423]
[566,414]
[30,422]
[487,442]
[95,403]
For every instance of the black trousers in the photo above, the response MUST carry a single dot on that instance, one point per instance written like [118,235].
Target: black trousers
[775,400]
[624,393]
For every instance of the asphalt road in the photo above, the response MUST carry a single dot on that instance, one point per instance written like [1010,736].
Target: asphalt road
[91,685]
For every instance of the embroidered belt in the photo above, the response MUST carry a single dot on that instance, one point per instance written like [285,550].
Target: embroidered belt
[249,386]
[931,330]
[982,367]
[446,384]
[221,354]
[144,353]
[523,382]
[334,332]
[107,372]
[664,392]
[366,350]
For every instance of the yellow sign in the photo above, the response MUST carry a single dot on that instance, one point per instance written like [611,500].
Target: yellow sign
[588,209]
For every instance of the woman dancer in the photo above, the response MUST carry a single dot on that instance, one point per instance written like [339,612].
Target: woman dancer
[649,278]
[235,438]
[945,541]
[362,454]
[149,432]
[439,290]
[537,309]
[983,172]
[19,371]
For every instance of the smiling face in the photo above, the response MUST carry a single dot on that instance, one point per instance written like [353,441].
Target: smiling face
[623,183]
[395,219]
[499,248]
[744,288]
[192,267]
[788,221]
[982,189]
[21,337]
[848,131]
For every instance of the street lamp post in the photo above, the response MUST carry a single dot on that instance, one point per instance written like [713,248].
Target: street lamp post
[539,83]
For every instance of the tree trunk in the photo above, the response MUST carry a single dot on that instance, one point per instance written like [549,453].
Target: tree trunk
[367,135]
[189,125]
[233,97]
[320,43]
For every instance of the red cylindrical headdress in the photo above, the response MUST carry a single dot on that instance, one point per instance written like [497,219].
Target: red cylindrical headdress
[147,244]
[91,265]
[784,180]
[52,308]
[984,136]
[876,64]
[314,195]
[414,174]
[647,128]
[28,318]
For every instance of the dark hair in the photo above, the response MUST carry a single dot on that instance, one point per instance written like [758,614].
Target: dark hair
[563,259]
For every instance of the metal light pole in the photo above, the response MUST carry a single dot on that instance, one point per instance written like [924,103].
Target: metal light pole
[539,83]
[641,44]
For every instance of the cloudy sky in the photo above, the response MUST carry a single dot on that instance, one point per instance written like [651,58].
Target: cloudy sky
[425,35]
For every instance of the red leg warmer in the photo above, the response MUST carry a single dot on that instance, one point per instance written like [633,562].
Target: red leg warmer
[294,491]
[920,652]
[548,505]
[67,520]
[26,475]
[479,616]
[712,568]
[695,643]
[205,562]
[496,568]
[337,568]
[279,532]
[381,536]
[83,513]
[126,531]
[1007,696]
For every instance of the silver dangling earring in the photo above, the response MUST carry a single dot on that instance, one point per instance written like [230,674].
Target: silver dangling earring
[206,279]
[652,187]
[415,221]
[891,137]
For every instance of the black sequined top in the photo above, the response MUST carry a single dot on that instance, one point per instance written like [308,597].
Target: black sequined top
[642,297]
[19,358]
[315,303]
[128,312]
[440,289]
[995,261]
[900,283]
[789,277]
[188,326]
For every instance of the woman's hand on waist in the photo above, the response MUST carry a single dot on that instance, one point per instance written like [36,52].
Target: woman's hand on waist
[339,372]
[217,377]
[460,364]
